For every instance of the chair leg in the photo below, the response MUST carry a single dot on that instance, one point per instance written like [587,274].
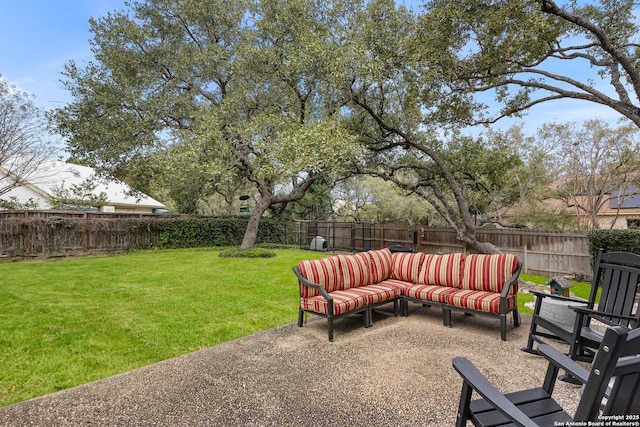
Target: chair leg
[330,329]
[516,318]
[503,327]
[465,401]
[300,317]
[532,333]
[395,307]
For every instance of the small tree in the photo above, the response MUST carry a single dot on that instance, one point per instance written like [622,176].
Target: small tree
[594,161]
[22,144]
[78,196]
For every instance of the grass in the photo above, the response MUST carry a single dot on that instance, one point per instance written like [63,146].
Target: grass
[68,322]
[579,289]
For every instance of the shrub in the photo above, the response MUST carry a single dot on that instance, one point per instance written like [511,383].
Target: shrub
[613,240]
[249,253]
[192,232]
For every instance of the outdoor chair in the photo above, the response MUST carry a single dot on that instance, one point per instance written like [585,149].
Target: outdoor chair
[613,300]
[616,365]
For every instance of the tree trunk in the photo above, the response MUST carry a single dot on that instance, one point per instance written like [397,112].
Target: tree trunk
[486,248]
[251,234]
[481,247]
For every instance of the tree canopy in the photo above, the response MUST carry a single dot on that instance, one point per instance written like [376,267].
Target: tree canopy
[288,94]
[529,52]
[208,87]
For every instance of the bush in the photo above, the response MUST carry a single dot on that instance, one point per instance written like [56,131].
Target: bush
[249,253]
[193,232]
[613,240]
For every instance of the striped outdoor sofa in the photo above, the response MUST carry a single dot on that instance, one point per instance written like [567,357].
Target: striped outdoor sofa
[347,284]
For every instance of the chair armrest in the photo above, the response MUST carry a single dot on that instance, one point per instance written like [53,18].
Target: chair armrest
[492,395]
[303,280]
[558,297]
[600,316]
[562,361]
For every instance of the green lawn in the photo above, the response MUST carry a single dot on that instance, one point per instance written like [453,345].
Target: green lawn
[579,289]
[67,322]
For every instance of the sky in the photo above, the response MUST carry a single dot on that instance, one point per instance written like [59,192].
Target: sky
[38,37]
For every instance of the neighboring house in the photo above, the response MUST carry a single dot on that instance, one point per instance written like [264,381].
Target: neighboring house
[623,209]
[620,210]
[43,185]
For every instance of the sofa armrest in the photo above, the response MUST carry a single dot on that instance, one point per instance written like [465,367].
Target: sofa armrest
[303,281]
[511,282]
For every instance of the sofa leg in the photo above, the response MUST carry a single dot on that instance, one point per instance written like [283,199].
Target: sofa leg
[446,316]
[330,329]
[300,317]
[395,307]
[368,316]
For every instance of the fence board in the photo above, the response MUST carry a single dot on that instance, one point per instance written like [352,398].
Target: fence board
[62,233]
[541,252]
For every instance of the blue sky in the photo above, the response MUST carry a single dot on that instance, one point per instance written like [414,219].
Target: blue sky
[38,37]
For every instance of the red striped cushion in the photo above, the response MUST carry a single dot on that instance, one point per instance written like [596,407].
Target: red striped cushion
[325,272]
[406,266]
[380,264]
[445,270]
[489,272]
[379,293]
[400,284]
[479,300]
[343,302]
[356,270]
[433,293]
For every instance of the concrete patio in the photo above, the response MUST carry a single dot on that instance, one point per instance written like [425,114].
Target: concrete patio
[397,373]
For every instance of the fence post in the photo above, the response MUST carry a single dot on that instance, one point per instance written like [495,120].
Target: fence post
[525,261]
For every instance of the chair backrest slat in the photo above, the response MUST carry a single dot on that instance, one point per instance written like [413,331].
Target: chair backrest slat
[625,394]
[624,397]
[617,276]
[602,370]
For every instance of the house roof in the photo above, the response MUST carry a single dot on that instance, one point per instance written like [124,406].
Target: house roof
[52,175]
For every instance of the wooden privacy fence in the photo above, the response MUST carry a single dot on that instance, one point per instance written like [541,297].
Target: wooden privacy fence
[64,233]
[541,252]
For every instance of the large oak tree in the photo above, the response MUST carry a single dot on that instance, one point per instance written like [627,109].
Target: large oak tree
[429,80]
[213,87]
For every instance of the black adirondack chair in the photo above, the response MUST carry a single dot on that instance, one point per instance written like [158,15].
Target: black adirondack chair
[617,360]
[615,281]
